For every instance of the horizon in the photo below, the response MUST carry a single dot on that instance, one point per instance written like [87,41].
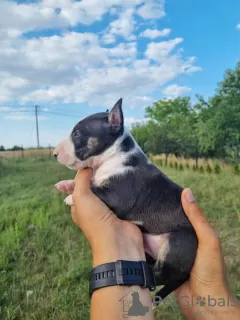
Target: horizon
[77,58]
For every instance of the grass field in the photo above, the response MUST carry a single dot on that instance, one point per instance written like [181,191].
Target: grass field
[44,258]
[33,153]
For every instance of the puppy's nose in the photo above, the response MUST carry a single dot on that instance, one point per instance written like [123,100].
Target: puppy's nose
[55,155]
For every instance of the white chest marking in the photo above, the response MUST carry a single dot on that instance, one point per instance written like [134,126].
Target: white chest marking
[112,162]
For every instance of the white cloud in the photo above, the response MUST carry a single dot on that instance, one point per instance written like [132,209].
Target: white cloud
[152,9]
[17,18]
[123,50]
[79,67]
[4,109]
[108,84]
[139,101]
[123,26]
[238,26]
[130,121]
[154,33]
[159,50]
[76,68]
[108,38]
[174,90]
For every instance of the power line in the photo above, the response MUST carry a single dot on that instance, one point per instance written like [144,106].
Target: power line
[37,111]
[16,107]
[42,111]
[61,114]
[15,111]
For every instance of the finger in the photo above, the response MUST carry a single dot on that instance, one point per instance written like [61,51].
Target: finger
[89,208]
[73,213]
[202,227]
[82,182]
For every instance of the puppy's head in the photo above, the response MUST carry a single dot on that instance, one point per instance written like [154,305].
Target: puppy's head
[90,138]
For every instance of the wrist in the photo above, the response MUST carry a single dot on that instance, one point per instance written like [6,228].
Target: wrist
[109,254]
[120,242]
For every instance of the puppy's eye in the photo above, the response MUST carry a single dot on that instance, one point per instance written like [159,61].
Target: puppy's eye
[76,134]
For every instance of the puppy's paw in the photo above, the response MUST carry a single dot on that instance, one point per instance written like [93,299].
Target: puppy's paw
[66,186]
[69,200]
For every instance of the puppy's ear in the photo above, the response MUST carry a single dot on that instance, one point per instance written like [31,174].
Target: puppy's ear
[115,117]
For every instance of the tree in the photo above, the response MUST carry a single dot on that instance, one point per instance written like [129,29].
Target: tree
[2,148]
[16,148]
[141,134]
[219,124]
[210,128]
[175,125]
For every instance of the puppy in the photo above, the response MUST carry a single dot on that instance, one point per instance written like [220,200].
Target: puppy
[135,189]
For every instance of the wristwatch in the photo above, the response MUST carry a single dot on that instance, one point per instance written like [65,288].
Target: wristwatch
[123,273]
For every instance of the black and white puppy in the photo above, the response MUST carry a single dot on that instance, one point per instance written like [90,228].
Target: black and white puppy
[135,189]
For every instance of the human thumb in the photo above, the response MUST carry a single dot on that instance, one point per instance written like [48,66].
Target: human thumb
[82,183]
[202,227]
[89,211]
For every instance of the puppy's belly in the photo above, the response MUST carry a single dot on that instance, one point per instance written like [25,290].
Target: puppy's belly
[157,246]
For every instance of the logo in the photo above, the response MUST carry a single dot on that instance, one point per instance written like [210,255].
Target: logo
[132,306]
[201,301]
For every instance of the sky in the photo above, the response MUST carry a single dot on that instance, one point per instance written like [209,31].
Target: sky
[75,58]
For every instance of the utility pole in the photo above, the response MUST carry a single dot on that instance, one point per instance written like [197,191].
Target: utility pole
[36,115]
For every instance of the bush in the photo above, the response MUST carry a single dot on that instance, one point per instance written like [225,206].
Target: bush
[16,148]
[187,166]
[236,168]
[194,167]
[170,165]
[209,169]
[201,169]
[217,168]
[181,167]
[176,165]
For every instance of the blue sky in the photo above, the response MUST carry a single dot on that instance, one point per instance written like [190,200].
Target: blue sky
[74,58]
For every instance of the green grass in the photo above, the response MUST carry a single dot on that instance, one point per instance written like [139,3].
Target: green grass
[44,257]
[218,195]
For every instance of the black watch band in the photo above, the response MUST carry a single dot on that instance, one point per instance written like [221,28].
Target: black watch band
[121,272]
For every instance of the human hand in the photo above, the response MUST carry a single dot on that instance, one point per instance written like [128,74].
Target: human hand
[207,278]
[110,238]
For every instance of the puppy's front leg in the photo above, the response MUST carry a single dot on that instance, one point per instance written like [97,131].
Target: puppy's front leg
[66,186]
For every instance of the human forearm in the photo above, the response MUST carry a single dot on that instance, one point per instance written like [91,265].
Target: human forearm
[115,302]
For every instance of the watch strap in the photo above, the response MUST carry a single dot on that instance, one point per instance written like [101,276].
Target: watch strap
[122,272]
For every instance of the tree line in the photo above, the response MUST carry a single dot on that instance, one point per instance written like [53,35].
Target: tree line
[209,128]
[14,148]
